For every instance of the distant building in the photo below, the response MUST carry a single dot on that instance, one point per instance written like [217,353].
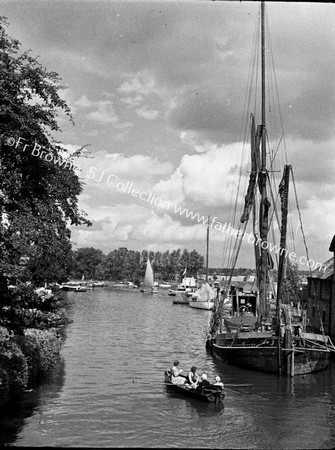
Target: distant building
[321,297]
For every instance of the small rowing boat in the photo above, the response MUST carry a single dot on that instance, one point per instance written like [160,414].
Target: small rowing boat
[212,393]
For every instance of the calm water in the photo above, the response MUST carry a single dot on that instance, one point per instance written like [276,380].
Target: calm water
[108,388]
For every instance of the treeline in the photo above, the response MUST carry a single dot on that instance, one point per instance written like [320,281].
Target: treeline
[124,264]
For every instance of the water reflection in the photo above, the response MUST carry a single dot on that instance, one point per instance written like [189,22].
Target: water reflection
[13,414]
[113,395]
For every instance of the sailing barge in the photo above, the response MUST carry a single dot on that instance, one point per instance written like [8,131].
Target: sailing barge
[269,342]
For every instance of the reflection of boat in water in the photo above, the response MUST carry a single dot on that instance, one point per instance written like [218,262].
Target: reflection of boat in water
[255,337]
[212,393]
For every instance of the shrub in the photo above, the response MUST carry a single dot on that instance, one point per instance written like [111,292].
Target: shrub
[13,366]
[31,350]
[46,344]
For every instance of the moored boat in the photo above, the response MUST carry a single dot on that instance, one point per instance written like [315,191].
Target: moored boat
[69,286]
[255,336]
[80,289]
[183,298]
[164,285]
[189,284]
[197,304]
[98,283]
[203,297]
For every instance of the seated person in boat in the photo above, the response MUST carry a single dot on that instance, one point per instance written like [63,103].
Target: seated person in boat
[203,383]
[176,378]
[218,381]
[193,378]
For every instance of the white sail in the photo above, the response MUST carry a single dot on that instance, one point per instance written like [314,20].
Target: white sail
[149,275]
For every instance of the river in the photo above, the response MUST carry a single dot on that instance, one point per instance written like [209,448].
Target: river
[107,390]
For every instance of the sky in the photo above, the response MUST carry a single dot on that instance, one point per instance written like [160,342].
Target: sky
[158,91]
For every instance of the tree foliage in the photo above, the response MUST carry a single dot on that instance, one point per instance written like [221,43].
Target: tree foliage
[124,264]
[87,263]
[38,198]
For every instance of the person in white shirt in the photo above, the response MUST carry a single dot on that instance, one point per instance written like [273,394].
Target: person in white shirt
[218,381]
[176,378]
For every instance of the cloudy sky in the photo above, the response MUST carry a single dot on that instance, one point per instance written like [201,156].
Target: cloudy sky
[158,91]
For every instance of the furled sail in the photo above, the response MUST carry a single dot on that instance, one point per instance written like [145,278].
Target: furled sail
[249,198]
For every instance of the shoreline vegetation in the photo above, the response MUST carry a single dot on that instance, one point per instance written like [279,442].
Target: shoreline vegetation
[32,331]
[38,204]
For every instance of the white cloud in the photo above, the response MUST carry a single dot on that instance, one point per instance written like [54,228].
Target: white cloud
[104,114]
[132,102]
[205,179]
[141,83]
[166,229]
[84,102]
[147,114]
[138,166]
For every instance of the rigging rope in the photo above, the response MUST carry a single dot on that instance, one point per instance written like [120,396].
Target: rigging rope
[252,73]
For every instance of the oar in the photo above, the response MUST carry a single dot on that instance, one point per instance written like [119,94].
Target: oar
[238,385]
[247,393]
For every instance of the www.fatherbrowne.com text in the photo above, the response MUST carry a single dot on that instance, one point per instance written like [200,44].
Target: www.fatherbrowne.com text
[153,199]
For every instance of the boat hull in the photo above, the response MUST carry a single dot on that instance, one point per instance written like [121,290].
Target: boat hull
[183,298]
[201,305]
[180,301]
[68,288]
[265,356]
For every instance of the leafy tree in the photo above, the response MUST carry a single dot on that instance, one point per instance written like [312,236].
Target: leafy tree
[100,273]
[197,262]
[165,264]
[86,260]
[38,196]
[111,266]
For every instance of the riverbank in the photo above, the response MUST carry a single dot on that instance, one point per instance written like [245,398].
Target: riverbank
[101,396]
[30,339]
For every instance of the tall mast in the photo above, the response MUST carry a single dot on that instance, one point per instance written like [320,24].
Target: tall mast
[283,191]
[264,206]
[207,249]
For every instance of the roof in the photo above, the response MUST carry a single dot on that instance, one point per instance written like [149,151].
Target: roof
[324,272]
[332,245]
